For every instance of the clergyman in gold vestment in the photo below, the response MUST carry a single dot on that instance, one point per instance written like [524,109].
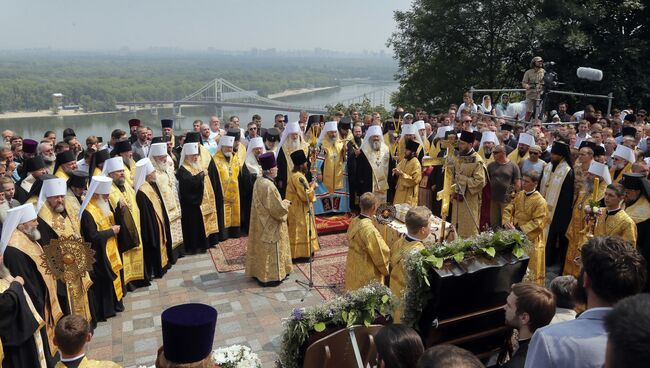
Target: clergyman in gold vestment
[268,257]
[302,199]
[613,221]
[409,174]
[417,225]
[529,213]
[468,171]
[368,255]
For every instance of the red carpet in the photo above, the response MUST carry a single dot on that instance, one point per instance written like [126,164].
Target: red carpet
[230,255]
[332,224]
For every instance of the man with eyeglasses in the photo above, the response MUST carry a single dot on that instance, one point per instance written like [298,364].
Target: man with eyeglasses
[252,131]
[279,122]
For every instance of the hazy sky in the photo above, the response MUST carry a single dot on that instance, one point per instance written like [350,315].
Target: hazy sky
[345,25]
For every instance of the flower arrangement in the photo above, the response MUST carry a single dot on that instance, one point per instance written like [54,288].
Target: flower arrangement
[236,356]
[420,265]
[362,306]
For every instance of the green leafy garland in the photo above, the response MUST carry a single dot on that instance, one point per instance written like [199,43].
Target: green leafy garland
[420,265]
[358,307]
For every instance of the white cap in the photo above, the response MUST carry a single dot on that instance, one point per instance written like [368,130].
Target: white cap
[489,136]
[292,127]
[440,133]
[189,149]
[112,165]
[227,141]
[251,161]
[330,126]
[158,149]
[98,185]
[419,124]
[256,142]
[143,168]
[15,216]
[51,188]
[412,129]
[601,170]
[527,139]
[626,153]
[373,130]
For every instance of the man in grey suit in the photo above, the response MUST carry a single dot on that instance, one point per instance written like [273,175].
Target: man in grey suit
[141,146]
[612,269]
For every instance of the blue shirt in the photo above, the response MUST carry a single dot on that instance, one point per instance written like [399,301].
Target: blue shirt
[578,343]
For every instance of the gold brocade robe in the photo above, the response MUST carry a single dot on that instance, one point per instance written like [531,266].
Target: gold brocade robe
[481,152]
[333,165]
[516,158]
[168,188]
[408,184]
[87,363]
[401,149]
[158,209]
[580,176]
[241,154]
[639,211]
[379,162]
[208,205]
[471,178]
[66,226]
[229,180]
[530,214]
[104,222]
[398,254]
[620,225]
[129,174]
[38,339]
[72,206]
[368,255]
[616,178]
[61,174]
[53,311]
[298,219]
[269,254]
[132,259]
[576,233]
[287,155]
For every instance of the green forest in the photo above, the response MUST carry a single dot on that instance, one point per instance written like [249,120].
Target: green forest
[97,81]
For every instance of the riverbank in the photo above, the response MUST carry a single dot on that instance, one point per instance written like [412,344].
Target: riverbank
[49,114]
[299,91]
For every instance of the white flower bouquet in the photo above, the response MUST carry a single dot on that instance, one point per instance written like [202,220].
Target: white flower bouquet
[236,356]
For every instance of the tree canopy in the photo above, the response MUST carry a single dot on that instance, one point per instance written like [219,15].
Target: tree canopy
[444,47]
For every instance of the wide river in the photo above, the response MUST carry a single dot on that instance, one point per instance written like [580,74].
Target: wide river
[101,125]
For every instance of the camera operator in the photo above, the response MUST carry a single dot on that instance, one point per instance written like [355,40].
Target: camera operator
[533,82]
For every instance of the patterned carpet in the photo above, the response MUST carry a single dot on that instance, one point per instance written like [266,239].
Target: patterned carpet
[230,255]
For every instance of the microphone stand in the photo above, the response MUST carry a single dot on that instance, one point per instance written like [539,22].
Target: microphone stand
[310,285]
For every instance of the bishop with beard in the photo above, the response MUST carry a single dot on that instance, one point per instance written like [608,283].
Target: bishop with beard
[54,222]
[36,168]
[22,257]
[374,165]
[168,189]
[124,150]
[197,200]
[66,162]
[290,142]
[154,226]
[227,188]
[332,191]
[247,177]
[98,228]
[127,215]
[302,230]
[269,253]
[408,174]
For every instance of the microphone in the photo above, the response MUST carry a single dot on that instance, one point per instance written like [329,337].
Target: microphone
[589,74]
[304,183]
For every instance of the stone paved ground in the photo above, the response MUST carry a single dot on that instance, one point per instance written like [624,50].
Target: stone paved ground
[248,313]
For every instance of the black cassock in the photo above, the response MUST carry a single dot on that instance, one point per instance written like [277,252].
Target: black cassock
[281,179]
[364,176]
[17,328]
[151,236]
[213,174]
[21,195]
[557,242]
[643,245]
[246,182]
[19,264]
[351,166]
[102,291]
[224,233]
[190,192]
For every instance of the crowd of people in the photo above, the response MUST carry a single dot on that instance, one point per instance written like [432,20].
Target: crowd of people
[142,201]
